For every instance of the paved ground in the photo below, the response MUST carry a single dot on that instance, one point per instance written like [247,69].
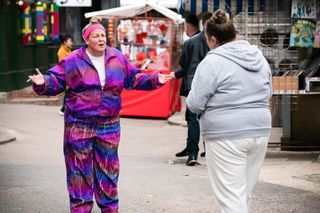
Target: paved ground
[6,135]
[152,180]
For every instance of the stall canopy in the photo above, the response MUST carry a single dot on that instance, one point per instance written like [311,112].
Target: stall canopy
[233,7]
[198,7]
[136,9]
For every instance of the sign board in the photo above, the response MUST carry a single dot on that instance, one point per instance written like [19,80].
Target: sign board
[73,3]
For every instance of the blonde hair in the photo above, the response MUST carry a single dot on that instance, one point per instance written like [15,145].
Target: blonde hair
[93,20]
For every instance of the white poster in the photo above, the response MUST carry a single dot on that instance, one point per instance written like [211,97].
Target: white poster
[74,3]
[303,9]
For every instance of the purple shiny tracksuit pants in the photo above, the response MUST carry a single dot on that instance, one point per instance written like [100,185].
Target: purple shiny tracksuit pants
[92,163]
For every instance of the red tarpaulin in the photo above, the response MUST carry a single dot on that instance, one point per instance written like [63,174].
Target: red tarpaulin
[159,103]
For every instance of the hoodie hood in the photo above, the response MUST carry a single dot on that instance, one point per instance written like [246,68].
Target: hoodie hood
[243,53]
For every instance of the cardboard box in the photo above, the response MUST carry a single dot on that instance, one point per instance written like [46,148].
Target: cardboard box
[285,84]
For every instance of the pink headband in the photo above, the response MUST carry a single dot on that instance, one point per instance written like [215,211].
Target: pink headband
[90,29]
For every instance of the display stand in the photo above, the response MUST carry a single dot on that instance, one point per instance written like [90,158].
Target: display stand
[151,37]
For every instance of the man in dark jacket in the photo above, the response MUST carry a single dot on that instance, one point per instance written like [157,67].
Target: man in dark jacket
[194,50]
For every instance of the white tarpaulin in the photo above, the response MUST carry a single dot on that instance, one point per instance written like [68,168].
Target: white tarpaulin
[166,3]
[134,10]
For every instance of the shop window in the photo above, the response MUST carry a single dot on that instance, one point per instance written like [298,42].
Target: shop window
[269,37]
[271,63]
[287,65]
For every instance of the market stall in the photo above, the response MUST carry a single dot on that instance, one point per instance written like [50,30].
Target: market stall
[150,36]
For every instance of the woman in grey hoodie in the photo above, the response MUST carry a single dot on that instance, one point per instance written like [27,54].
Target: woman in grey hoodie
[230,93]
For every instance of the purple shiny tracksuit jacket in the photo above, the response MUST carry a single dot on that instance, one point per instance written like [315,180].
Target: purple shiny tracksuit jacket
[92,128]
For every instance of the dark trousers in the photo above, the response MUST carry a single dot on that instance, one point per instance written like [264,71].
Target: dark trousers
[193,133]
[63,104]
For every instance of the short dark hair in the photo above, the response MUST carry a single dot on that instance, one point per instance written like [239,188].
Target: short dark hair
[205,17]
[192,19]
[63,38]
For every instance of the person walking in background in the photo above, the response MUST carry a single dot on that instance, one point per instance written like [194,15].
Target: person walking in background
[194,50]
[64,50]
[96,75]
[230,93]
[65,46]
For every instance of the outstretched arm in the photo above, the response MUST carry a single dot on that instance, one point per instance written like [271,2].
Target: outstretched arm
[143,81]
[37,79]
[51,84]
[178,74]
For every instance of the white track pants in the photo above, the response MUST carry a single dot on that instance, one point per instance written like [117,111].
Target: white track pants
[234,167]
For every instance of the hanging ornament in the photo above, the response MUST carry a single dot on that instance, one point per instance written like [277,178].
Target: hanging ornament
[110,31]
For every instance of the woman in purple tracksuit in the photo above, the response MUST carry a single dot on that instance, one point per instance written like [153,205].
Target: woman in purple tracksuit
[95,75]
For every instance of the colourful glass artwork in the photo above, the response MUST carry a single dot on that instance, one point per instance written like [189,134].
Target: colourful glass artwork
[26,28]
[54,20]
[42,22]
[302,33]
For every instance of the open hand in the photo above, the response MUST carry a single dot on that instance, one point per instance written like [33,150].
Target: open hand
[38,78]
[163,78]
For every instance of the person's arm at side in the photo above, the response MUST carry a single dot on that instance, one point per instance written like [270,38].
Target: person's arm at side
[270,82]
[268,74]
[51,84]
[203,87]
[183,62]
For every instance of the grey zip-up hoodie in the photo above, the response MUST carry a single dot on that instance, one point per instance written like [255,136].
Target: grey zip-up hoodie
[231,91]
